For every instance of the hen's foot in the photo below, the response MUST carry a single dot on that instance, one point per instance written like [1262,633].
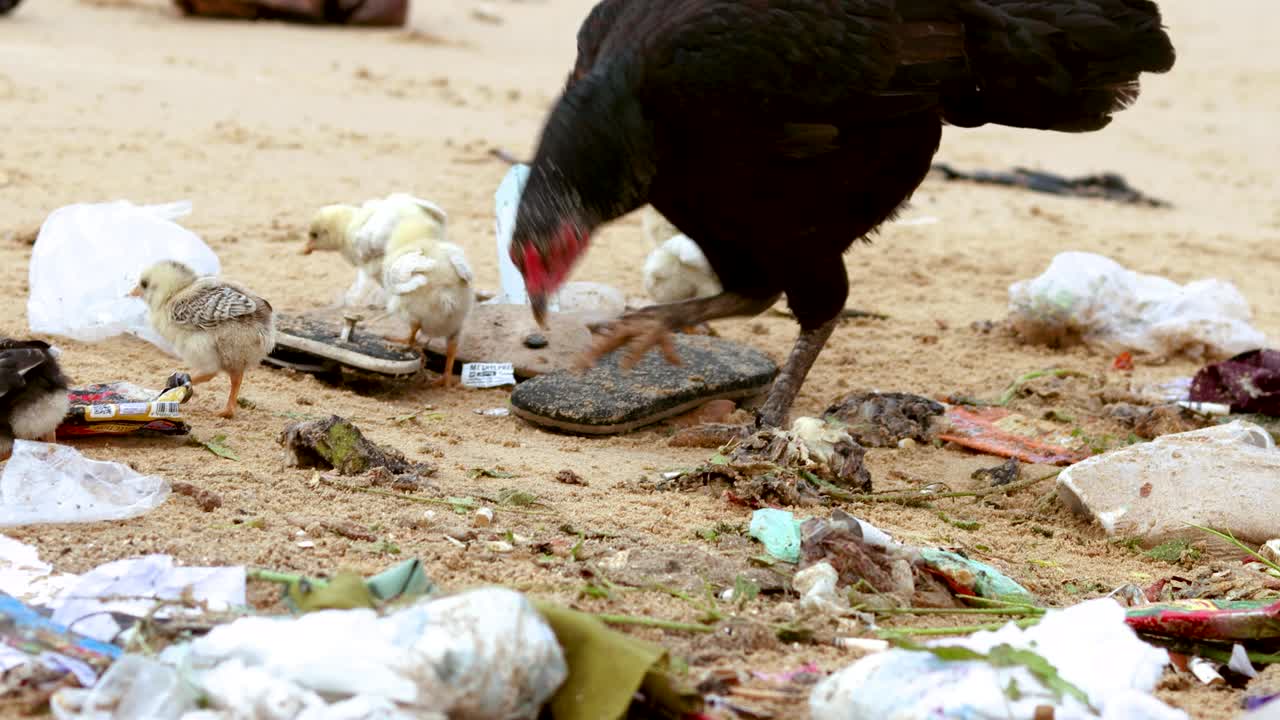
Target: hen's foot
[639,332]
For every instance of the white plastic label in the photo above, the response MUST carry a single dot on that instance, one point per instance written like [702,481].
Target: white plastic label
[487,375]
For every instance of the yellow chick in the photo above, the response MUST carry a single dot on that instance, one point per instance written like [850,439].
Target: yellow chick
[215,325]
[675,269]
[360,234]
[429,283]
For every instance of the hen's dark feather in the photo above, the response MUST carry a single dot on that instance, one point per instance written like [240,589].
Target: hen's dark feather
[775,133]
[30,378]
[27,363]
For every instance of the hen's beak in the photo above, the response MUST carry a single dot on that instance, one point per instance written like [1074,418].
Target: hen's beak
[538,302]
[136,291]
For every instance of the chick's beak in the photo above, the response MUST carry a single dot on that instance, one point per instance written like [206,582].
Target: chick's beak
[136,291]
[308,248]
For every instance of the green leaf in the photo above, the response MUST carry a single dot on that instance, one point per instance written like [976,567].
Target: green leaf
[217,446]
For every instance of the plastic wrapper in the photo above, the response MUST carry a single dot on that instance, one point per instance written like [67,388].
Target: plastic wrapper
[44,483]
[27,636]
[122,408]
[1091,298]
[1086,646]
[88,257]
[1248,382]
[484,654]
[1002,433]
[1212,620]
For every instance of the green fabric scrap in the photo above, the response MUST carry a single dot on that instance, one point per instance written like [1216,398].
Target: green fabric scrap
[345,591]
[405,581]
[606,668]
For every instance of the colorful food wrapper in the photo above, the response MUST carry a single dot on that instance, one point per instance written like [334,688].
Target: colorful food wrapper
[999,432]
[1213,620]
[23,631]
[1248,382]
[122,408]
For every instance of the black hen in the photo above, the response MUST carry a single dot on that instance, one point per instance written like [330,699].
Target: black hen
[33,393]
[775,133]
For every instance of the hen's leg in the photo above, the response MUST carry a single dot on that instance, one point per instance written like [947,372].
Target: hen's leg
[647,327]
[787,384]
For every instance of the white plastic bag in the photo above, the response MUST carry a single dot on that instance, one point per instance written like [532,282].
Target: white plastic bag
[87,258]
[133,687]
[126,587]
[485,653]
[46,483]
[1089,645]
[1095,298]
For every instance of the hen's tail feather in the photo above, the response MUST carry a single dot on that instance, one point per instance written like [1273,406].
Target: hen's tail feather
[1064,65]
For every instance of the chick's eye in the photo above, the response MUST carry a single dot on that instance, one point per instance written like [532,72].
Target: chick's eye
[315,235]
[143,284]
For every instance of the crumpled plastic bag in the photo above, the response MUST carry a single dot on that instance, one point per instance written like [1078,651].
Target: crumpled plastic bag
[127,586]
[1089,645]
[87,258]
[45,483]
[483,654]
[1091,298]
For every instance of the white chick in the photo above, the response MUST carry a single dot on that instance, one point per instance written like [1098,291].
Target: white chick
[215,325]
[360,235]
[676,269]
[429,283]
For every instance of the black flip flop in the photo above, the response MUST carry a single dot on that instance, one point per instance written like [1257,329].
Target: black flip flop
[607,400]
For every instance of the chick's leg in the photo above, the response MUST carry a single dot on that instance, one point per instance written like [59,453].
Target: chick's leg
[414,327]
[230,410]
[648,327]
[450,352]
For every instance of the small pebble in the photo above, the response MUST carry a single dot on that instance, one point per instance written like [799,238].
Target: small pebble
[499,546]
[305,544]
[484,517]
[906,444]
[535,341]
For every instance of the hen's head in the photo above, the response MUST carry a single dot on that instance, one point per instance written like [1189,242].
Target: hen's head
[594,164]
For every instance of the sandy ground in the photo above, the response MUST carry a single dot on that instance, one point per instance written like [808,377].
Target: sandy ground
[259,124]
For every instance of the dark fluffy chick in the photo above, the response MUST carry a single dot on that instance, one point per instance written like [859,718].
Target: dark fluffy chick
[776,133]
[33,393]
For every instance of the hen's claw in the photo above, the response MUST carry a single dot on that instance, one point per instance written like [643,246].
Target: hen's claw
[639,333]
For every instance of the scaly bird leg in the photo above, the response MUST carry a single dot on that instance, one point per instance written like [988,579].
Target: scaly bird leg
[414,327]
[787,384]
[648,327]
[230,410]
[450,352]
